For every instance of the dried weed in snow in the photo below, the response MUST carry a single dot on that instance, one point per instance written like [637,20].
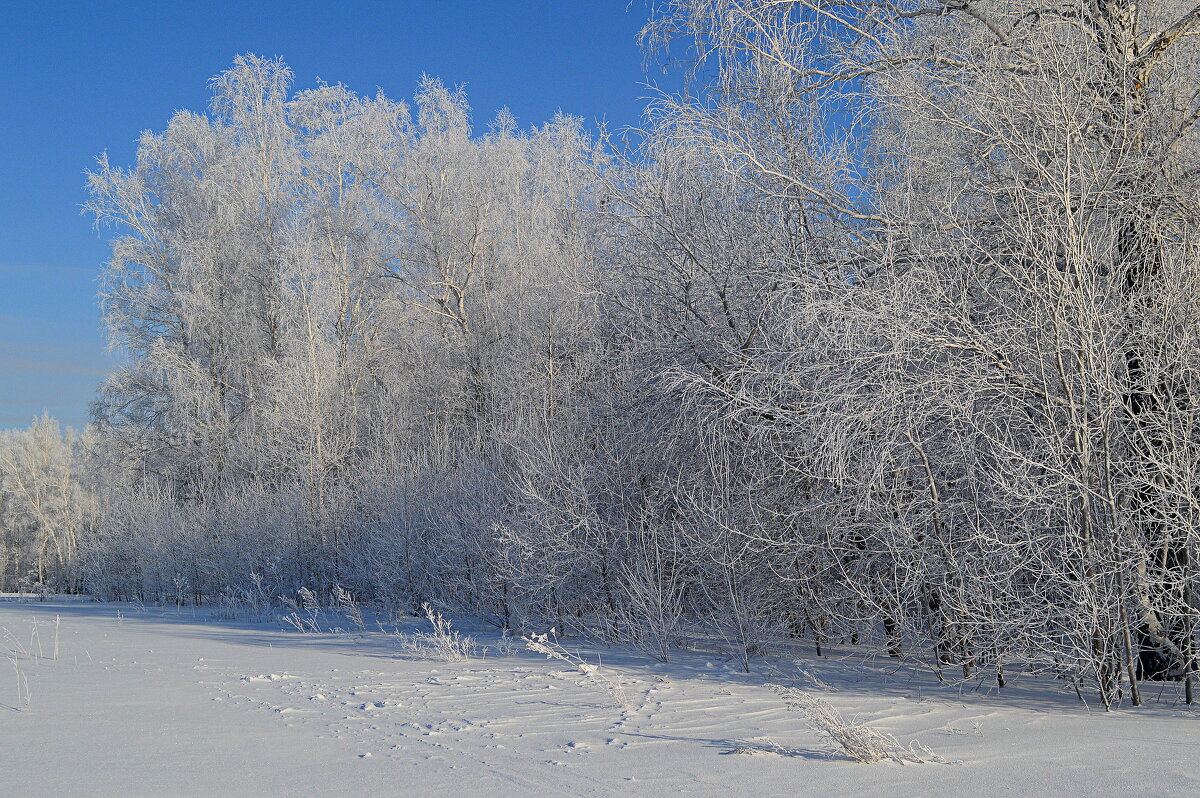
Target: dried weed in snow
[856,740]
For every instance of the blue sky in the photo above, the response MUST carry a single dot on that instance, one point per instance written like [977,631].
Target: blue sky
[85,77]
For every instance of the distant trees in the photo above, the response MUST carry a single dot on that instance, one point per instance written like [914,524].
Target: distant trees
[45,507]
[884,336]
[321,287]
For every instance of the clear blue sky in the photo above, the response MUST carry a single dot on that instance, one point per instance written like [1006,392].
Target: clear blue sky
[84,77]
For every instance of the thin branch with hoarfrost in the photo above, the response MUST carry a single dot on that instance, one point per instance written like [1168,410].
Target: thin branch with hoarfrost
[542,644]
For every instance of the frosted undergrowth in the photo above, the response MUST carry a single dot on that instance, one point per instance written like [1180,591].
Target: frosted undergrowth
[305,616]
[443,642]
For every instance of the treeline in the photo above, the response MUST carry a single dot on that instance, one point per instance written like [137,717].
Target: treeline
[887,335]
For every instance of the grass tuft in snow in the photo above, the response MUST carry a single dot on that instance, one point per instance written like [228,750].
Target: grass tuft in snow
[856,740]
[20,654]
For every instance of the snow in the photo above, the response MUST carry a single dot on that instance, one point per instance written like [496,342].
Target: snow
[171,701]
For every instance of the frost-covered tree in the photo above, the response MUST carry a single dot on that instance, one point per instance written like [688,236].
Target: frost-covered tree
[993,400]
[45,507]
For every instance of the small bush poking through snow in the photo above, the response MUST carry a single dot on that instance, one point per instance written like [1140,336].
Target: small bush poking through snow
[857,740]
[505,647]
[443,643]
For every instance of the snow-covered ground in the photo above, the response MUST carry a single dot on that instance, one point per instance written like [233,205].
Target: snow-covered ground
[172,702]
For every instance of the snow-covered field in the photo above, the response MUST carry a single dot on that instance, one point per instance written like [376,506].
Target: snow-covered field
[167,701]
